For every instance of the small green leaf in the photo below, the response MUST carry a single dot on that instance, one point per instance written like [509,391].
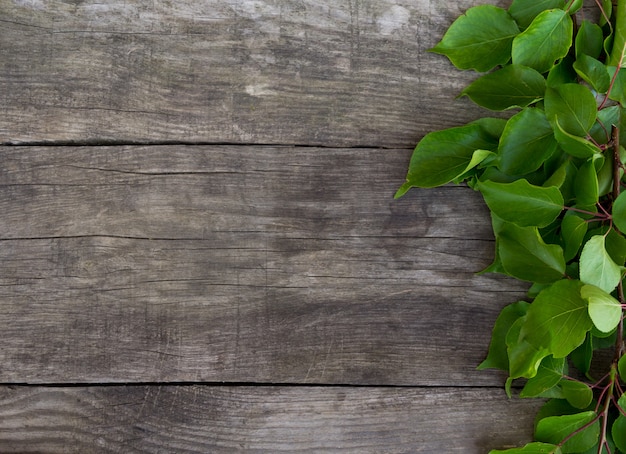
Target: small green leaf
[619,433]
[573,230]
[442,156]
[573,6]
[522,203]
[546,40]
[563,178]
[575,107]
[582,356]
[480,39]
[577,393]
[549,375]
[619,212]
[586,185]
[492,127]
[497,358]
[525,255]
[525,11]
[511,86]
[604,310]
[531,448]
[555,429]
[593,72]
[597,267]
[527,141]
[574,145]
[615,245]
[601,130]
[618,92]
[524,358]
[621,367]
[558,319]
[562,73]
[589,39]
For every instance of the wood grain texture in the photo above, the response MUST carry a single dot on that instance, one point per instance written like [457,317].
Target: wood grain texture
[197,419]
[243,264]
[351,73]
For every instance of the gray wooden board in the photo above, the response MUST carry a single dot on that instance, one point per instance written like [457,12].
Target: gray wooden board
[200,419]
[354,72]
[243,264]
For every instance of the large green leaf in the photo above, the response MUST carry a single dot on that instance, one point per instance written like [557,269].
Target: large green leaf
[480,39]
[622,372]
[511,86]
[555,429]
[558,318]
[619,40]
[589,39]
[525,255]
[597,267]
[525,11]
[546,40]
[497,358]
[604,310]
[526,142]
[574,106]
[442,156]
[549,375]
[522,203]
[530,448]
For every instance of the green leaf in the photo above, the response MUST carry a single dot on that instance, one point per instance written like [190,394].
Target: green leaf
[619,40]
[549,374]
[546,40]
[558,319]
[616,247]
[619,212]
[573,230]
[574,105]
[589,39]
[577,393]
[582,356]
[621,367]
[497,358]
[527,141]
[492,127]
[586,184]
[601,130]
[563,178]
[619,433]
[524,358]
[524,11]
[618,92]
[562,73]
[555,429]
[604,310]
[522,203]
[574,145]
[597,267]
[525,255]
[442,156]
[531,448]
[511,86]
[573,6]
[593,72]
[480,39]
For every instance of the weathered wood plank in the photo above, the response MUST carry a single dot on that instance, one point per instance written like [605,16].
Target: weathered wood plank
[278,72]
[243,264]
[188,419]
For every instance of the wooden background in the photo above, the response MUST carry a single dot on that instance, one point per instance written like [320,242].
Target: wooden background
[199,248]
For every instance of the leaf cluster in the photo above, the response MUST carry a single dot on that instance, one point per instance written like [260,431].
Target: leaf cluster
[551,174]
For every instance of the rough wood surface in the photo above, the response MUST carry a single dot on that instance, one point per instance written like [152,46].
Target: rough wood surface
[195,419]
[261,264]
[305,72]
